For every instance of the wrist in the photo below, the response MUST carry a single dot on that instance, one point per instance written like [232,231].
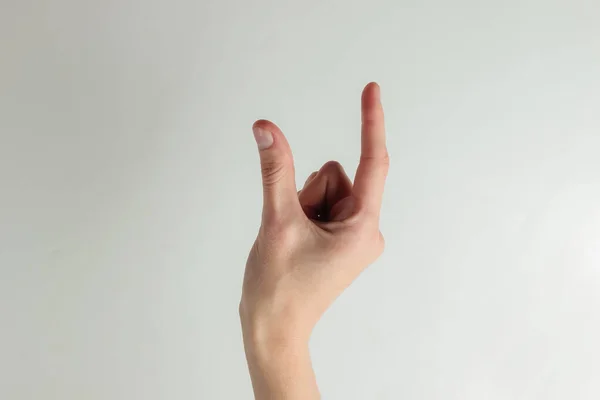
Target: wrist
[264,329]
[280,367]
[263,341]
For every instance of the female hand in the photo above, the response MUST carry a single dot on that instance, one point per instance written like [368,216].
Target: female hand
[311,245]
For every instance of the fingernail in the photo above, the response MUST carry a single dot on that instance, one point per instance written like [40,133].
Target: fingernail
[377,90]
[264,138]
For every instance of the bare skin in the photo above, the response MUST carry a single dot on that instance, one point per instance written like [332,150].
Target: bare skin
[311,245]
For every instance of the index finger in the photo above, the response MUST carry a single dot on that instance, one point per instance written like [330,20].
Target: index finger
[374,160]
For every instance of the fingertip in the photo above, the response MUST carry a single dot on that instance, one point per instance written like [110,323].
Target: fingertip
[332,166]
[373,86]
[269,133]
[372,91]
[263,138]
[267,126]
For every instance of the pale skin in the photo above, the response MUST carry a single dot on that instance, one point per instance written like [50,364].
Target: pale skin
[310,246]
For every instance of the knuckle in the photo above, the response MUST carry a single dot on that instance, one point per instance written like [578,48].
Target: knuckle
[371,242]
[332,166]
[368,233]
[380,243]
[273,171]
[373,117]
[385,159]
[385,163]
[241,310]
[382,159]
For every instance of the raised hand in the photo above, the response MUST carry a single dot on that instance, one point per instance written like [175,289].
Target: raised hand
[311,245]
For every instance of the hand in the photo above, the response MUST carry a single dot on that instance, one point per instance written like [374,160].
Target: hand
[311,245]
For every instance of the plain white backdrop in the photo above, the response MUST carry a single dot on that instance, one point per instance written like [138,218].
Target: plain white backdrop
[130,193]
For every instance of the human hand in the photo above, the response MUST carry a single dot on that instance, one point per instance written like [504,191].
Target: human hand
[311,244]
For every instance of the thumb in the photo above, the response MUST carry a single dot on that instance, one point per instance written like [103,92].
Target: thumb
[280,199]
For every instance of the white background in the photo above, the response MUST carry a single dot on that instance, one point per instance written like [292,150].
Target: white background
[130,193]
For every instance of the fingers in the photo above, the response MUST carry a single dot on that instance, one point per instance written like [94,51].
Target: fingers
[374,161]
[309,179]
[324,190]
[280,200]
